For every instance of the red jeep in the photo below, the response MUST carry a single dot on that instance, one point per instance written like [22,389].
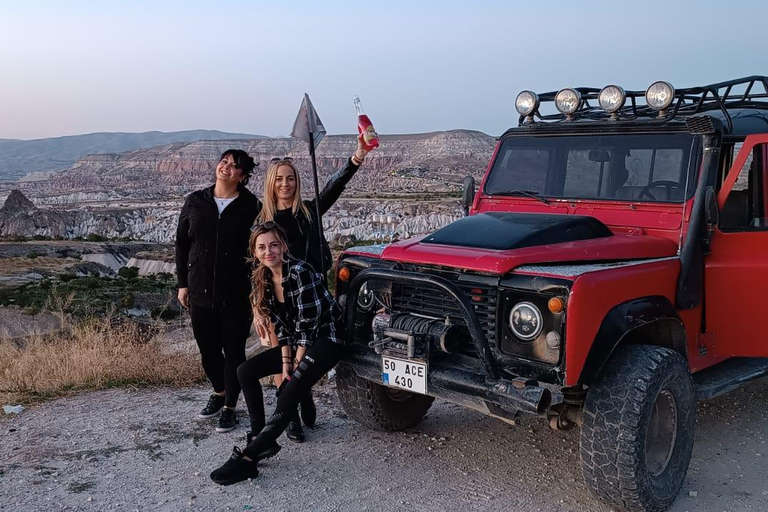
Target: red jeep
[604,277]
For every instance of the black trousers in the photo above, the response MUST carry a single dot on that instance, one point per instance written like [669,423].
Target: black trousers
[220,334]
[317,361]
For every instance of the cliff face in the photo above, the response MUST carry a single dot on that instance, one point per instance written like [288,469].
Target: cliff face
[138,194]
[402,163]
[149,224]
[349,217]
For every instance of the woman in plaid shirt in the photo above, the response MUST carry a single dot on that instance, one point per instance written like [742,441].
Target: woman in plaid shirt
[306,317]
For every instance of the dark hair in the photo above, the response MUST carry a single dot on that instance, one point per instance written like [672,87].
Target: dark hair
[243,161]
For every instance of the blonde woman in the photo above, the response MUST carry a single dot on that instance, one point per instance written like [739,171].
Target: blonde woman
[283,204]
[308,322]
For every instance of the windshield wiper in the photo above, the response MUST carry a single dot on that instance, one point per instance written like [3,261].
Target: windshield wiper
[527,193]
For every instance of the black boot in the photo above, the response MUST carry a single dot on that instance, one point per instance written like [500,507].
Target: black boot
[236,469]
[294,431]
[268,451]
[308,410]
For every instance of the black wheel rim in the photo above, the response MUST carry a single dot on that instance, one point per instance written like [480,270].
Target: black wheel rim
[662,433]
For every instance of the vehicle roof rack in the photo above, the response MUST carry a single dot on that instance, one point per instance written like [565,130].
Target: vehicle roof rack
[723,96]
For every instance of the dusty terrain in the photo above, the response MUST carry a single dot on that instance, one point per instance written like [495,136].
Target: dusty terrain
[144,450]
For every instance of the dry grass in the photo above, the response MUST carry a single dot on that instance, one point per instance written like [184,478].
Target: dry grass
[23,265]
[96,353]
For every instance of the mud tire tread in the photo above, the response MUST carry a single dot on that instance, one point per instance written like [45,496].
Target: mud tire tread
[613,435]
[370,404]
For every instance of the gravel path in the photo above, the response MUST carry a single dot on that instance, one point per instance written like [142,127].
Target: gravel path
[143,450]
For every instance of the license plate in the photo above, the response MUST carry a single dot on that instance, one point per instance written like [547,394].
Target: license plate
[403,374]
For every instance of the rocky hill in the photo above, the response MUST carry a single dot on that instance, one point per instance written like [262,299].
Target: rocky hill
[19,158]
[347,218]
[138,194]
[404,163]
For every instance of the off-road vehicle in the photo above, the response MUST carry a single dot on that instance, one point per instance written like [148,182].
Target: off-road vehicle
[608,275]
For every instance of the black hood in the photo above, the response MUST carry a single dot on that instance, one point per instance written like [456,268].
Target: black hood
[502,231]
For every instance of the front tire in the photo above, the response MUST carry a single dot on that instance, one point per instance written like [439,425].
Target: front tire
[638,429]
[377,406]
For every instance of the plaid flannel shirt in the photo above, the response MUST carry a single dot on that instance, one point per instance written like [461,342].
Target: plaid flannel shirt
[310,310]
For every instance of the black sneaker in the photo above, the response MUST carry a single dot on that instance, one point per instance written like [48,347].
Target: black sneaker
[215,404]
[227,420]
[294,432]
[236,469]
[267,452]
[308,410]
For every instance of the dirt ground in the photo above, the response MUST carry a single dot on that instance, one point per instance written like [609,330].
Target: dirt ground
[144,450]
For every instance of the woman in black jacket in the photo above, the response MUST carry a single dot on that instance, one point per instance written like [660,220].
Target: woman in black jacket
[283,204]
[307,321]
[211,263]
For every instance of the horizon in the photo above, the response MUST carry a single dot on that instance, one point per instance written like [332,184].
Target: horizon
[350,134]
[243,67]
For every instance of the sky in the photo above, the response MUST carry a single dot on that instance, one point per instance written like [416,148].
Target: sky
[74,67]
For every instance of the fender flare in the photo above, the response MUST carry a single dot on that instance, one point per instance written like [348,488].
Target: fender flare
[621,321]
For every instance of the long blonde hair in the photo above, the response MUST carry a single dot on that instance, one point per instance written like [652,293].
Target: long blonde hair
[269,203]
[261,275]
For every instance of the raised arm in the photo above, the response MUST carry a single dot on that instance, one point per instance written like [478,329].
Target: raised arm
[336,184]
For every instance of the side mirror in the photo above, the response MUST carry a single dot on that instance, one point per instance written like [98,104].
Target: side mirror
[469,194]
[711,211]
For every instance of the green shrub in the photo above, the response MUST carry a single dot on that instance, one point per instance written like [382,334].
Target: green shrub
[164,313]
[127,301]
[128,272]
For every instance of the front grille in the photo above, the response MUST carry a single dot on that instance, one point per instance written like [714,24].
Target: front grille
[434,302]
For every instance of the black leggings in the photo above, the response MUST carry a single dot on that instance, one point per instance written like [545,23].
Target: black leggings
[220,330]
[317,361]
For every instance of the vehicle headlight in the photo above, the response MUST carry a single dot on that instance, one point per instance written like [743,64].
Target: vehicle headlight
[568,101]
[612,98]
[659,95]
[365,298]
[526,103]
[526,321]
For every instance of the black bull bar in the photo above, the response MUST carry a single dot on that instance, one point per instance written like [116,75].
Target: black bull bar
[519,393]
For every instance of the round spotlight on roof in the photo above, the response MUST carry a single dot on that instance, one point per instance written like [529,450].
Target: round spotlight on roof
[568,101]
[612,98]
[527,103]
[659,95]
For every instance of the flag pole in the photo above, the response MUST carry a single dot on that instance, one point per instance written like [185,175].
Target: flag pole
[317,205]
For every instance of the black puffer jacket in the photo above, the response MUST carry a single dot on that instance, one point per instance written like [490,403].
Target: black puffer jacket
[211,252]
[315,251]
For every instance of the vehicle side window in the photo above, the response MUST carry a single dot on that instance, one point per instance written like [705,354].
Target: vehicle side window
[742,182]
[745,206]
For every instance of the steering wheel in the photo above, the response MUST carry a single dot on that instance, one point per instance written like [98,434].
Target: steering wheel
[669,185]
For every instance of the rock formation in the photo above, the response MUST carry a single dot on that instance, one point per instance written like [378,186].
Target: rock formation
[138,194]
[17,202]
[444,158]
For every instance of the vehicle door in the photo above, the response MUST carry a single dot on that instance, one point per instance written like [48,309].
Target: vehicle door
[736,270]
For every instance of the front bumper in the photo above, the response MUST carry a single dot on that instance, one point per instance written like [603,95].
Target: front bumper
[484,390]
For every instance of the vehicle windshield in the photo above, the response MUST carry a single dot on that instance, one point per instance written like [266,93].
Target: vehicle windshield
[637,167]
